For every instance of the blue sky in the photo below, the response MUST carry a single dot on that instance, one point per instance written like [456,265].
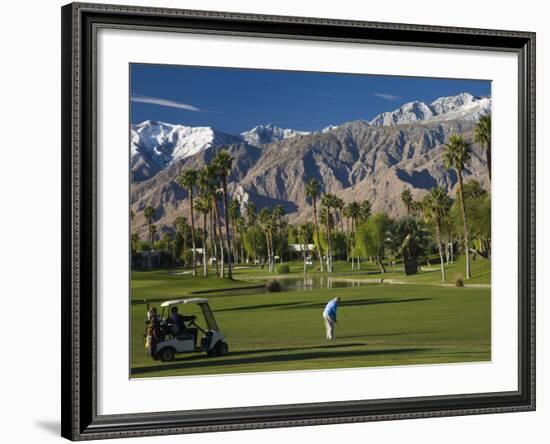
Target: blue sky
[235,100]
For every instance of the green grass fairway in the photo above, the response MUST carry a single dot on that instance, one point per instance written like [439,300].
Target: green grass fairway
[416,321]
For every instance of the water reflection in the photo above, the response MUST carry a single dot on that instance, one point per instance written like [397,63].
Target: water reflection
[308,283]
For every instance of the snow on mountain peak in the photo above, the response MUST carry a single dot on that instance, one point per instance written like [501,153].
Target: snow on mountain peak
[463,106]
[263,134]
[155,145]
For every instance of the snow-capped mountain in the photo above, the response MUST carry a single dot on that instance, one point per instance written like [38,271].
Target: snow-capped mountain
[263,134]
[326,129]
[462,106]
[155,145]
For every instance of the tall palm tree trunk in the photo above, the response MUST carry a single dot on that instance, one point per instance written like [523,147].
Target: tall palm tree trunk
[465,222]
[440,246]
[305,254]
[184,249]
[272,251]
[234,236]
[150,245]
[220,239]
[254,243]
[204,260]
[331,253]
[348,240]
[380,264]
[193,233]
[352,243]
[241,239]
[318,237]
[329,244]
[268,252]
[213,240]
[226,216]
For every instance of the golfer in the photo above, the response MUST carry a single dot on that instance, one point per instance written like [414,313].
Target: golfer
[329,315]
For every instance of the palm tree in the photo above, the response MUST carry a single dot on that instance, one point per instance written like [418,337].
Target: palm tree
[188,179]
[407,199]
[328,203]
[324,219]
[304,232]
[436,206]
[278,213]
[217,196]
[240,222]
[234,210]
[456,155]
[149,214]
[354,210]
[202,205]
[365,209]
[153,232]
[180,224]
[265,221]
[167,243]
[416,208]
[346,213]
[252,217]
[313,188]
[223,163]
[406,237]
[482,135]
[208,182]
[339,206]
[204,182]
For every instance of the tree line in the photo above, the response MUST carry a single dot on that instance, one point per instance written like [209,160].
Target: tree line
[227,231]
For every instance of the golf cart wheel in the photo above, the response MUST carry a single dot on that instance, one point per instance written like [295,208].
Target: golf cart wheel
[167,354]
[221,348]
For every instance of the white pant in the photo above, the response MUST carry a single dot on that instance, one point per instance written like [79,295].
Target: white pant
[329,325]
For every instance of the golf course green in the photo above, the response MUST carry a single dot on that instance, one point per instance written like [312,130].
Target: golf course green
[401,320]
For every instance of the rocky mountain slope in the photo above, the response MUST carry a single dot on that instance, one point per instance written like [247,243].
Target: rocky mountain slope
[358,160]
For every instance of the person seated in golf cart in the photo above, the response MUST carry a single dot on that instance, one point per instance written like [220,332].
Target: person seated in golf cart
[176,325]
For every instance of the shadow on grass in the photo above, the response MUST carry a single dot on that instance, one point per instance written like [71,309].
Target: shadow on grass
[260,306]
[185,364]
[368,301]
[378,335]
[320,305]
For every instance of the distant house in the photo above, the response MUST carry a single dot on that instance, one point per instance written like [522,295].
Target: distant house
[296,251]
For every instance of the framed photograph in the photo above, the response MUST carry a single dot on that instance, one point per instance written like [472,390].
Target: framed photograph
[281,221]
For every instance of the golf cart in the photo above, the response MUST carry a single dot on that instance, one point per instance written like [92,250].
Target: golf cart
[212,341]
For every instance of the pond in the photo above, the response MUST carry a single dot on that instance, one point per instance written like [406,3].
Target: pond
[307,283]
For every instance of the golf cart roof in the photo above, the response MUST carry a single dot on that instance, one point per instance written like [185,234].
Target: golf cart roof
[185,301]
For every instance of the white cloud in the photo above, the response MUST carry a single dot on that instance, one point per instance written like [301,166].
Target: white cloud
[164,102]
[386,96]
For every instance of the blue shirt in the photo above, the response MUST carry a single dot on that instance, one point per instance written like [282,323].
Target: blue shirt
[330,309]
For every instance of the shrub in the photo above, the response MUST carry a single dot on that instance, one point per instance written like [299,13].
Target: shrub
[273,286]
[283,269]
[459,280]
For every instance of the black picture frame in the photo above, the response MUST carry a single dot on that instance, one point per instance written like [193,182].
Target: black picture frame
[80,22]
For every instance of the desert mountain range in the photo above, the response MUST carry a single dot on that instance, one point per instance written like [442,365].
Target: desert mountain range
[356,160]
